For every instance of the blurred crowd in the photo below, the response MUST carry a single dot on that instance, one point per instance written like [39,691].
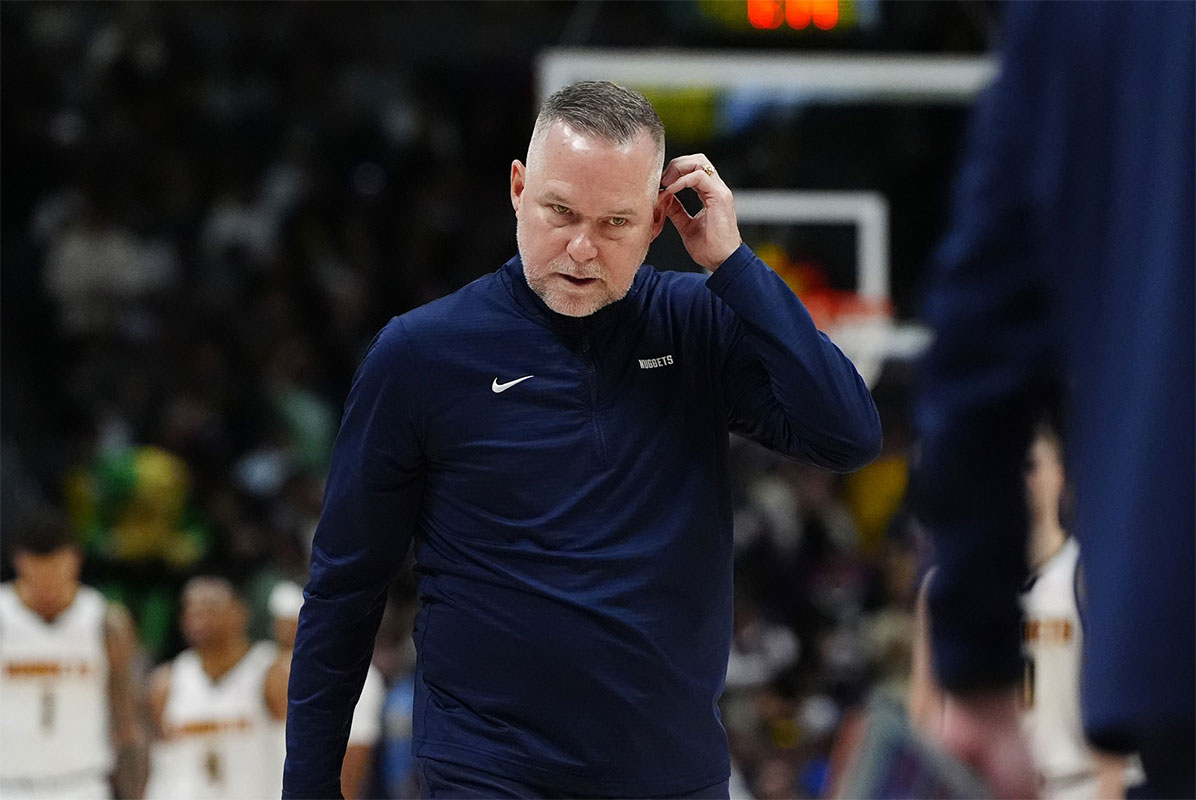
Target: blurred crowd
[208,212]
[213,230]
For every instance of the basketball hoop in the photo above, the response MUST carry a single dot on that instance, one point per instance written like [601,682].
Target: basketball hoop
[862,328]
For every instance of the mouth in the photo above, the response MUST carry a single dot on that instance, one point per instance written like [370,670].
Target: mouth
[578,281]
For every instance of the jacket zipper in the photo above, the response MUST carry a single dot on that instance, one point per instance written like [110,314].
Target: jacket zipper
[592,370]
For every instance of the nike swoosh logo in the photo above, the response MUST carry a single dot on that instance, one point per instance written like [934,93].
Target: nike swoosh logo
[497,387]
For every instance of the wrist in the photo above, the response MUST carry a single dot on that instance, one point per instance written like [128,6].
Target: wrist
[998,703]
[718,262]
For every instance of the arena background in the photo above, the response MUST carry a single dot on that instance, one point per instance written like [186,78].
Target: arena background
[208,209]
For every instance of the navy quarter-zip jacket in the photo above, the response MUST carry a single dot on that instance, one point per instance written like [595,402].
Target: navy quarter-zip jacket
[565,483]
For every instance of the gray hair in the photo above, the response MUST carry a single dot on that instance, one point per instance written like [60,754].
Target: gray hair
[602,109]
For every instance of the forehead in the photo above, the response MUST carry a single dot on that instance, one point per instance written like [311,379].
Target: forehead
[207,593]
[55,557]
[582,168]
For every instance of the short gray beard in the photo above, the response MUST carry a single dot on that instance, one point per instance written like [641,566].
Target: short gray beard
[549,298]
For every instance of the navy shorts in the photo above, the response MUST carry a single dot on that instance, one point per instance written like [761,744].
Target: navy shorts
[441,781]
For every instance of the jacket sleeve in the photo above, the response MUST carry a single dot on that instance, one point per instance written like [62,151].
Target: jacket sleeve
[371,501]
[786,384]
[985,375]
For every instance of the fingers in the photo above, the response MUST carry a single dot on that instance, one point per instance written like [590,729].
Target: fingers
[712,234]
[676,213]
[674,208]
[710,189]
[690,180]
[683,165]
[697,173]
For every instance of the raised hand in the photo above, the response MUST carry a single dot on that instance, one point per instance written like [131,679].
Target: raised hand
[713,233]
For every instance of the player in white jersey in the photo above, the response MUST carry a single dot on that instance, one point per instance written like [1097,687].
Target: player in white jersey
[1070,769]
[1053,639]
[70,725]
[285,601]
[209,703]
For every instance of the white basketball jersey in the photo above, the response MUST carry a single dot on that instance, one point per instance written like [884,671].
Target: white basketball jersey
[1053,642]
[216,732]
[54,725]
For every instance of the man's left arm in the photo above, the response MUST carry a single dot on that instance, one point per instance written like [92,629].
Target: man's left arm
[787,385]
[129,738]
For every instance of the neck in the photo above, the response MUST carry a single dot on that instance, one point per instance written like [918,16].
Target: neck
[217,660]
[1047,538]
[48,612]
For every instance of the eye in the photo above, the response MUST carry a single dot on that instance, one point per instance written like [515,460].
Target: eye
[618,222]
[559,209]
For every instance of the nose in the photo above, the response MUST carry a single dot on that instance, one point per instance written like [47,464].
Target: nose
[581,248]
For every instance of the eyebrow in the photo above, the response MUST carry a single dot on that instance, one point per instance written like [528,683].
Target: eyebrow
[553,197]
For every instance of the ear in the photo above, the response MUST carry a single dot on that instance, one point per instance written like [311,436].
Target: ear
[518,182]
[660,212]
[240,614]
[76,563]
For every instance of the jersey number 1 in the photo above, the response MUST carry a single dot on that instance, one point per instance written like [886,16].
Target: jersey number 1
[49,710]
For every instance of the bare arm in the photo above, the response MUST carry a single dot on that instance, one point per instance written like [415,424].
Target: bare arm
[355,769]
[126,705]
[159,691]
[276,684]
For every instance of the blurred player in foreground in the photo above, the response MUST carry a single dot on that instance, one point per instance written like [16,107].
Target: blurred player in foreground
[286,599]
[1069,768]
[210,706]
[554,438]
[70,710]
[1070,256]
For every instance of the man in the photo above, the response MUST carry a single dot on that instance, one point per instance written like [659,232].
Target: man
[1071,253]
[209,704]
[71,722]
[554,439]
[286,599]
